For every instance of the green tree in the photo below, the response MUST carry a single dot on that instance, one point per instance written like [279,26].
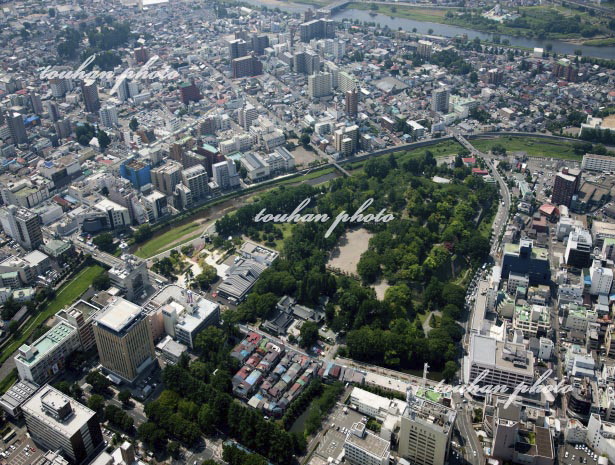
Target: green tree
[105,242]
[134,124]
[97,403]
[103,140]
[102,282]
[124,397]
[143,233]
[308,334]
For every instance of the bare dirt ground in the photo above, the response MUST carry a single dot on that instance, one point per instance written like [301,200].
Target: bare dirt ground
[381,287]
[346,255]
[303,157]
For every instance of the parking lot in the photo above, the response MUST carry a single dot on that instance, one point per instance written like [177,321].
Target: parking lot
[22,452]
[577,454]
[333,434]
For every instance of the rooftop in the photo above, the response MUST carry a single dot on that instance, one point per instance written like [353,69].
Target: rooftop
[370,443]
[119,314]
[30,355]
[48,395]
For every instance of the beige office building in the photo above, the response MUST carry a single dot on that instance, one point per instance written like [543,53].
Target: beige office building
[425,432]
[124,339]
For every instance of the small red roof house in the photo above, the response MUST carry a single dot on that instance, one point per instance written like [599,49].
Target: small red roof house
[551,212]
[480,172]
[469,161]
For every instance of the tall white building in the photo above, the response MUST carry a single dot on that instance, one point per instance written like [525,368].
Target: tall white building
[439,100]
[320,85]
[225,174]
[601,278]
[196,179]
[364,448]
[247,116]
[56,421]
[601,437]
[108,116]
[425,433]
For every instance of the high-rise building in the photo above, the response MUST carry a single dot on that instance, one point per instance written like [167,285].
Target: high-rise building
[36,103]
[346,140]
[247,115]
[225,174]
[17,128]
[58,87]
[189,93]
[57,421]
[439,100]
[52,110]
[63,128]
[306,62]
[237,48]
[22,225]
[124,339]
[80,315]
[259,44]
[578,248]
[601,278]
[166,177]
[137,171]
[425,431]
[346,81]
[141,55]
[196,179]
[90,96]
[495,76]
[320,85]
[565,185]
[425,48]
[108,116]
[526,259]
[246,66]
[564,68]
[46,357]
[351,100]
[317,29]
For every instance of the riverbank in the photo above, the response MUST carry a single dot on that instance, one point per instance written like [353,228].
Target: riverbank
[537,21]
[439,27]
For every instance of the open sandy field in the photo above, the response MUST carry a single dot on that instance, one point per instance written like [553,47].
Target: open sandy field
[346,255]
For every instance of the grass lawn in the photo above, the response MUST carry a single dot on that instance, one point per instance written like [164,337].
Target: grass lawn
[534,146]
[7,382]
[442,149]
[306,177]
[434,15]
[606,42]
[163,242]
[65,296]
[286,229]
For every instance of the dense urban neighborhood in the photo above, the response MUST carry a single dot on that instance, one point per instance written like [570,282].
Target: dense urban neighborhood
[307,232]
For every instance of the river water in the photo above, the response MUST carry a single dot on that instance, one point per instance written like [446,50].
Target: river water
[446,30]
[443,30]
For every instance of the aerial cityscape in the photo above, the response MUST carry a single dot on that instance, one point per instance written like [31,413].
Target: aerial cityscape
[307,232]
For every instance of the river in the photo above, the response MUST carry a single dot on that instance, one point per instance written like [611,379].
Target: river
[446,30]
[443,30]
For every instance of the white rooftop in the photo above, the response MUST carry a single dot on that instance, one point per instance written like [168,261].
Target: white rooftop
[70,425]
[118,314]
